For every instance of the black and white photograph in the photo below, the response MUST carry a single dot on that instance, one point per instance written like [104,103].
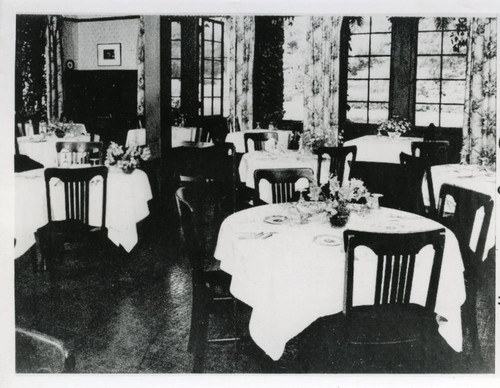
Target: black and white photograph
[251,193]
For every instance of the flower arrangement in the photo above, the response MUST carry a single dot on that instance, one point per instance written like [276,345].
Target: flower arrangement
[395,126]
[311,140]
[129,159]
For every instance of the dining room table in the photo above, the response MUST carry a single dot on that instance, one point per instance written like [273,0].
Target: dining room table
[238,138]
[126,204]
[381,149]
[291,272]
[481,179]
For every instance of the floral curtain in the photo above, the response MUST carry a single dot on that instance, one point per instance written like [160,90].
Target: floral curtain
[241,34]
[140,68]
[480,99]
[53,68]
[322,77]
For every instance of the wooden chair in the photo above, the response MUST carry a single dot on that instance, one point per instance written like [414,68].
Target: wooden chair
[40,353]
[338,156]
[282,182]
[461,222]
[75,226]
[210,288]
[79,152]
[392,322]
[259,139]
[413,171]
[435,152]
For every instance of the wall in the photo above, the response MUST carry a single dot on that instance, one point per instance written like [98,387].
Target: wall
[80,40]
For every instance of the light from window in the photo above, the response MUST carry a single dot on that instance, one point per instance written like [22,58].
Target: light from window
[369,64]
[441,68]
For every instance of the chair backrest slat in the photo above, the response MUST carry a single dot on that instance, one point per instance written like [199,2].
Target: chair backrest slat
[338,157]
[259,139]
[282,181]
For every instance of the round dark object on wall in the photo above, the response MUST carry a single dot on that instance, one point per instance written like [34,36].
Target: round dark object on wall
[70,64]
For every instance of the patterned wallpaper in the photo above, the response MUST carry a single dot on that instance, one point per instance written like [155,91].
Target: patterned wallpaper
[80,42]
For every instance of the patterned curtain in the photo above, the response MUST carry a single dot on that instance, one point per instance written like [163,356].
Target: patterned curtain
[140,68]
[480,99]
[53,68]
[321,79]
[241,33]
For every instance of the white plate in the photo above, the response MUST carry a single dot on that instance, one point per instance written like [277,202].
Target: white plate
[328,240]
[275,220]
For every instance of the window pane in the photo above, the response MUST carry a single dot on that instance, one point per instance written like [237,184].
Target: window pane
[357,90]
[208,69]
[381,24]
[454,67]
[379,90]
[380,67]
[453,92]
[207,49]
[358,112]
[450,46]
[358,68]
[175,30]
[429,43]
[428,91]
[207,106]
[208,31]
[359,45]
[207,90]
[176,87]
[175,102]
[217,69]
[426,114]
[378,112]
[176,49]
[428,67]
[217,88]
[452,116]
[364,27]
[426,24]
[176,68]
[381,44]
[217,106]
[217,32]
[218,50]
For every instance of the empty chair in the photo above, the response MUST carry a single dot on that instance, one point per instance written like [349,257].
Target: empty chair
[214,129]
[392,322]
[74,223]
[259,139]
[435,152]
[283,183]
[461,222]
[338,157]
[40,353]
[413,171]
[79,152]
[210,288]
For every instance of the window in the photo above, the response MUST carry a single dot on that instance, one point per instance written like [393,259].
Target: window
[175,64]
[211,67]
[441,68]
[369,63]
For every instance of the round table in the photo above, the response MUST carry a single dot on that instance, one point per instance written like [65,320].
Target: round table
[287,274]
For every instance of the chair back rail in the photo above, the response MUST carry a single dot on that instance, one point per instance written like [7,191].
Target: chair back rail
[259,139]
[282,181]
[338,156]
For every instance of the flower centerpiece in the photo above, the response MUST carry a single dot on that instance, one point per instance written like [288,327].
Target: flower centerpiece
[129,159]
[394,127]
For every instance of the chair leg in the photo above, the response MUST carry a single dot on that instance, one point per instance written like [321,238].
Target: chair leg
[200,345]
[236,334]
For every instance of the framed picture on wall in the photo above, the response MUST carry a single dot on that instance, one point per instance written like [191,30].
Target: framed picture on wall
[109,54]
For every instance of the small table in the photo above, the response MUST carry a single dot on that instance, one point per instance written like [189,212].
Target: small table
[237,138]
[381,149]
[290,278]
[126,205]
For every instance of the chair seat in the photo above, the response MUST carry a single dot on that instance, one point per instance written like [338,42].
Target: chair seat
[73,228]
[390,324]
[218,283]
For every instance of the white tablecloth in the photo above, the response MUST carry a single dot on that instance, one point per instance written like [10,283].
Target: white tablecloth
[470,177]
[381,149]
[237,138]
[289,280]
[43,150]
[127,204]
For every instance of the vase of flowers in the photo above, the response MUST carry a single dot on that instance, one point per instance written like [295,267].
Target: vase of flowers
[126,159]
[394,127]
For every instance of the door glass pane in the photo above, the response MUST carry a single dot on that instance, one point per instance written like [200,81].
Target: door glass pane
[358,68]
[208,69]
[176,49]
[175,30]
[207,106]
[380,67]
[451,47]
[429,43]
[217,32]
[176,87]
[452,116]
[379,90]
[359,45]
[358,112]
[378,112]
[428,67]
[454,67]
[426,24]
[217,50]
[217,88]
[428,91]
[426,114]
[217,106]
[217,69]
[453,92]
[208,31]
[176,68]
[207,49]
[207,91]
[381,44]
[357,90]
[380,24]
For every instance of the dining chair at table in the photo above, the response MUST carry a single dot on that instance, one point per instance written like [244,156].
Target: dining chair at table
[283,183]
[436,152]
[392,325]
[411,199]
[259,139]
[79,152]
[210,288]
[74,224]
[338,157]
[461,222]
